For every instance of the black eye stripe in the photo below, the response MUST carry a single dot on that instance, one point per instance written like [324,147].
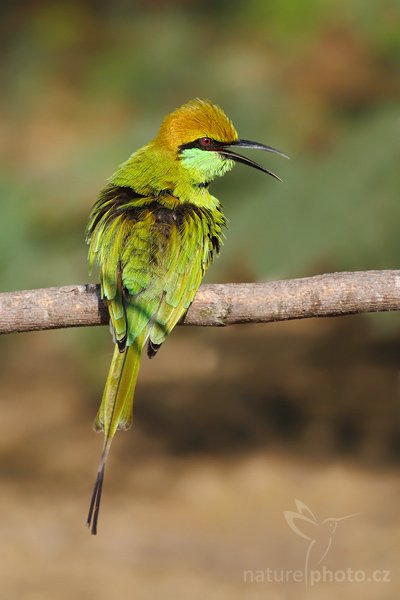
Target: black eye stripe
[213,145]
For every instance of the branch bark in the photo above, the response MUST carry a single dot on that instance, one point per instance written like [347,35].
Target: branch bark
[326,295]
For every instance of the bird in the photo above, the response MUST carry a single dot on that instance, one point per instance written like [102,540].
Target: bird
[153,232]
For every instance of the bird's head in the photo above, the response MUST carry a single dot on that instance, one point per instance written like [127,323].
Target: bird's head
[201,137]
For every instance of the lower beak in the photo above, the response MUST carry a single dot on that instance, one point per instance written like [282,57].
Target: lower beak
[247,161]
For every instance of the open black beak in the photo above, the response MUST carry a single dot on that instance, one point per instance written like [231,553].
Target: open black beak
[247,161]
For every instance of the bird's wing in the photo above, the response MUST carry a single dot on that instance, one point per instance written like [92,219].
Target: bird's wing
[151,265]
[173,261]
[184,265]
[121,240]
[128,274]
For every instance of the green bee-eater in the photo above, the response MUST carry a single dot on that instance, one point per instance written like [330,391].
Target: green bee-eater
[153,232]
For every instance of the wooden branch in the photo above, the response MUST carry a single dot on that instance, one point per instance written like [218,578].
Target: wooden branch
[215,304]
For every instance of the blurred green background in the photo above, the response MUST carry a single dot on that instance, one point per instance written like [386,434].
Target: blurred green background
[230,424]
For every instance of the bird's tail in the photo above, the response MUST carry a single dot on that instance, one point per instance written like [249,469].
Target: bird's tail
[115,412]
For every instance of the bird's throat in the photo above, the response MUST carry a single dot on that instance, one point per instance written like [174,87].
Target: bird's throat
[203,166]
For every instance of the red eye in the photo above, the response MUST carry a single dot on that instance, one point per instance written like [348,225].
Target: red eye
[205,142]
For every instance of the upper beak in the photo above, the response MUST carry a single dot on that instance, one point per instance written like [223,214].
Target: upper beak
[247,161]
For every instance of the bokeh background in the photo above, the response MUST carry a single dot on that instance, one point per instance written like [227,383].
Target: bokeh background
[230,425]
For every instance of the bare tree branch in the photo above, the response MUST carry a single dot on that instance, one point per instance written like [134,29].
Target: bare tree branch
[327,295]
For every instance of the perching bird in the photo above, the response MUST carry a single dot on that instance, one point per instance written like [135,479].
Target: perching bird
[153,232]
